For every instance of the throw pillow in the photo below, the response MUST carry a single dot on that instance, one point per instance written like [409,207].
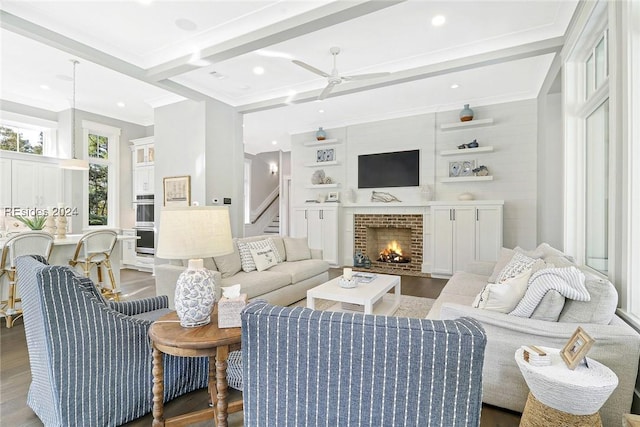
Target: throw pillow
[246,259]
[264,257]
[504,258]
[550,307]
[519,263]
[504,297]
[230,264]
[297,248]
[272,244]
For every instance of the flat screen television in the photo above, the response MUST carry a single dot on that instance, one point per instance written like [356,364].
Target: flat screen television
[397,169]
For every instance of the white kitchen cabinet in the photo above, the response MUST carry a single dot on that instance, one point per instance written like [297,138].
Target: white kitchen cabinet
[35,184]
[5,186]
[143,151]
[143,180]
[463,233]
[320,225]
[129,248]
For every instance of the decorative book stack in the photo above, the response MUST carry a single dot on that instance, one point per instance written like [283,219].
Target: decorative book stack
[535,356]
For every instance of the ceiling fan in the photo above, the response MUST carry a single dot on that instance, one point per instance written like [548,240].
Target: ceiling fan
[335,78]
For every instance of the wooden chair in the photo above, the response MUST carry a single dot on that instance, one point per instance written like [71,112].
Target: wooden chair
[36,243]
[94,249]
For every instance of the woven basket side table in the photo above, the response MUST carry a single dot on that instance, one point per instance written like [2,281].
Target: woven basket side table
[560,396]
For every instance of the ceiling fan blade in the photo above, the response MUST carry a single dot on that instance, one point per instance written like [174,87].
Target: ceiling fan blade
[326,91]
[365,76]
[310,68]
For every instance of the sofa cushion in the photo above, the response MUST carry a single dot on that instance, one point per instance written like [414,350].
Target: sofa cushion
[503,297]
[279,244]
[599,309]
[550,307]
[257,283]
[465,284]
[230,264]
[549,251]
[301,270]
[297,248]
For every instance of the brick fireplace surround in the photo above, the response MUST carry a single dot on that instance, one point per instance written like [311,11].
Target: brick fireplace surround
[413,222]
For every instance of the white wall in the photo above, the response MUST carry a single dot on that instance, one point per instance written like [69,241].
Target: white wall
[513,163]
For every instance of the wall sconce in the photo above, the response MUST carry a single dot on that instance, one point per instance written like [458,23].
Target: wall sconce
[273,168]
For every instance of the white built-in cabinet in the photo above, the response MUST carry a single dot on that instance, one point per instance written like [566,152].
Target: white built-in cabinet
[463,233]
[320,225]
[129,248]
[142,157]
[5,179]
[35,184]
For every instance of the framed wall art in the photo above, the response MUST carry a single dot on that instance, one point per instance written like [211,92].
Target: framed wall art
[177,190]
[333,196]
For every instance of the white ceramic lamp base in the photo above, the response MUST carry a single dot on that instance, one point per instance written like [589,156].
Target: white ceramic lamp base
[195,295]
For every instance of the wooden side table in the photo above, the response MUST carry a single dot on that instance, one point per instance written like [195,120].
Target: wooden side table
[205,341]
[560,396]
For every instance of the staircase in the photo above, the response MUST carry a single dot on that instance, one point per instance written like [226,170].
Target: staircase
[274,226]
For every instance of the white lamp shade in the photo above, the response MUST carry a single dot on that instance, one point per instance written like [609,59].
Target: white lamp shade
[188,232]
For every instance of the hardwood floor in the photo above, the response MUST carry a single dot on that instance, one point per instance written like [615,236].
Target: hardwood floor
[15,373]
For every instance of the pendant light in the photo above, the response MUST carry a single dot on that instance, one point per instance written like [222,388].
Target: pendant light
[74,163]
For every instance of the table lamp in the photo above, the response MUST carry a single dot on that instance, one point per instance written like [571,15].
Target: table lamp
[193,233]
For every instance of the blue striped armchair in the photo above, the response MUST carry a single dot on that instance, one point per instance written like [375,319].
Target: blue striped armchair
[303,367]
[90,359]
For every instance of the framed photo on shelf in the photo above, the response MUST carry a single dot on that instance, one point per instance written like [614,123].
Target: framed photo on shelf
[177,190]
[325,155]
[333,196]
[461,168]
[576,348]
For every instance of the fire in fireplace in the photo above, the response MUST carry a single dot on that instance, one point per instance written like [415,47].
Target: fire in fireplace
[393,253]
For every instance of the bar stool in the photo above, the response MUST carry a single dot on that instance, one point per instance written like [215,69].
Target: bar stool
[94,249]
[37,243]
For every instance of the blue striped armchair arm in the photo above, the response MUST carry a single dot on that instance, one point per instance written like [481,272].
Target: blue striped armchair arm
[139,306]
[90,365]
[303,367]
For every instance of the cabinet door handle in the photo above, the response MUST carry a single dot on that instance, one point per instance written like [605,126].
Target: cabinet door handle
[321,214]
[305,214]
[477,215]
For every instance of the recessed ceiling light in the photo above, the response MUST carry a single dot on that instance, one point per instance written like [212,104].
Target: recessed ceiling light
[258,71]
[185,24]
[121,104]
[218,75]
[455,86]
[438,20]
[274,142]
[245,87]
[44,87]
[320,111]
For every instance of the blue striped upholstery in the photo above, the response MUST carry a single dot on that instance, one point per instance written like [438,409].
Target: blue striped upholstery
[90,364]
[318,368]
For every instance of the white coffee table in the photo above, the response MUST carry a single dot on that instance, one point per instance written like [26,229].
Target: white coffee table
[373,296]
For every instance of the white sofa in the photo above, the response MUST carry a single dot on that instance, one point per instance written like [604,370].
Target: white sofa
[282,284]
[617,345]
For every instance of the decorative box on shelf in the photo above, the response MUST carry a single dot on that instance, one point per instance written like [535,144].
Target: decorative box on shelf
[229,311]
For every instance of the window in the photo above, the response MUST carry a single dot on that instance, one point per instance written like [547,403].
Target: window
[101,148]
[597,186]
[23,138]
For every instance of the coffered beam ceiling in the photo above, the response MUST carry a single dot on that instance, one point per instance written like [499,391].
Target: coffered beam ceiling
[314,20]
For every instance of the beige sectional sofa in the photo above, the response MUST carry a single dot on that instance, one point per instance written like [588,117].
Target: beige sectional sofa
[286,282]
[617,345]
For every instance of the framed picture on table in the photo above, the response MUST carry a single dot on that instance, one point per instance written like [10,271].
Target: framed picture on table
[177,190]
[576,348]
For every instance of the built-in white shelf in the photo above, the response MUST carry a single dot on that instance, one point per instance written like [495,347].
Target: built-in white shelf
[465,151]
[323,142]
[466,125]
[318,164]
[467,178]
[336,185]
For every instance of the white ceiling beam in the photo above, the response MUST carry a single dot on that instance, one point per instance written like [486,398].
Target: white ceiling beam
[313,20]
[543,47]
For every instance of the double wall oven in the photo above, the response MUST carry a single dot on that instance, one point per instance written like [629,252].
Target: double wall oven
[144,205]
